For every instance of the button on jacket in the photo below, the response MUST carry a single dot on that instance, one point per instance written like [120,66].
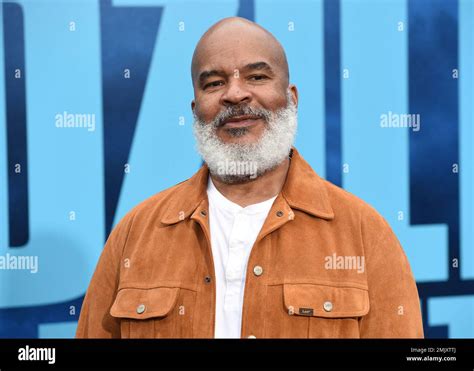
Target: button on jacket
[324,265]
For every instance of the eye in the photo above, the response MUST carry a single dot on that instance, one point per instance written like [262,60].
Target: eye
[213,84]
[257,77]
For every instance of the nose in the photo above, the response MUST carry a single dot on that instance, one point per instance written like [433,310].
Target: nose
[235,94]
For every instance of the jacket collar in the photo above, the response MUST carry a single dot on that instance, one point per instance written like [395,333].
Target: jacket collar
[303,190]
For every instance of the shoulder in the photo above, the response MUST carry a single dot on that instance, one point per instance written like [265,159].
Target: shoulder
[346,205]
[356,216]
[152,209]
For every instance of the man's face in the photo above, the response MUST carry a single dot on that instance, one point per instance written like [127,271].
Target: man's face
[233,80]
[244,108]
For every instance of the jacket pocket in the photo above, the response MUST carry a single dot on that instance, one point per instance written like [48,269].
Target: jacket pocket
[158,312]
[315,310]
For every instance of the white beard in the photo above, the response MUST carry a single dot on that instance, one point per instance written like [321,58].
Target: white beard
[242,162]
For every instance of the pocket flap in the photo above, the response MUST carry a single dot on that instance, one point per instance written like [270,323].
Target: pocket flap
[144,303]
[325,301]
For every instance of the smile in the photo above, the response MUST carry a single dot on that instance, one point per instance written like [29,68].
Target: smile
[241,121]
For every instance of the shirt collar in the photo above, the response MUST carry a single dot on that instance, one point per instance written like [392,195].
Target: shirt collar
[304,190]
[223,203]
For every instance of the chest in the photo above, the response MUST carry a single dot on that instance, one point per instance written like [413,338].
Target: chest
[168,288]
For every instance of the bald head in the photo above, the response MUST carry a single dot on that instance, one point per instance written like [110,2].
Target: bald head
[238,38]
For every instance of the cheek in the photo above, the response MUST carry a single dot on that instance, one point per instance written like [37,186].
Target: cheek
[271,99]
[207,108]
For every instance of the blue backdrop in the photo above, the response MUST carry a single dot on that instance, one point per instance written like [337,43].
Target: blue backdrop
[120,69]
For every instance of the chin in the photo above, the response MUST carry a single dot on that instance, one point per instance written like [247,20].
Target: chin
[241,141]
[235,179]
[239,138]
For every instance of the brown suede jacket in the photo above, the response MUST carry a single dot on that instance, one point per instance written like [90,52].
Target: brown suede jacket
[331,268]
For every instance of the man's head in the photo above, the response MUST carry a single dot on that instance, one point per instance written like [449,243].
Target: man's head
[244,106]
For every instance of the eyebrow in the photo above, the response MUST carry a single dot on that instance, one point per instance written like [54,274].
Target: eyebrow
[258,66]
[251,66]
[206,74]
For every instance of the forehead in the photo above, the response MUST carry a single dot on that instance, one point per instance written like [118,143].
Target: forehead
[235,51]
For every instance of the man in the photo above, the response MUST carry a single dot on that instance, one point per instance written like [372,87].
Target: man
[255,244]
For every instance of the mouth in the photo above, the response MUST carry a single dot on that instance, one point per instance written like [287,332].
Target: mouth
[241,121]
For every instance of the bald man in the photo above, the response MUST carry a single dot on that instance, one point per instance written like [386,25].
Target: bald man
[255,244]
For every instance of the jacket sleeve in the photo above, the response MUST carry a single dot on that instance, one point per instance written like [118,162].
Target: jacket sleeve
[95,320]
[394,302]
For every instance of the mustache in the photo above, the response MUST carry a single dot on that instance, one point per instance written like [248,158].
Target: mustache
[241,110]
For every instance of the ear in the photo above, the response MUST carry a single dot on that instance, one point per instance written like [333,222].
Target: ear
[193,104]
[294,93]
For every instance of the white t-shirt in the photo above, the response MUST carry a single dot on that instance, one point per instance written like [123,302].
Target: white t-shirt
[234,230]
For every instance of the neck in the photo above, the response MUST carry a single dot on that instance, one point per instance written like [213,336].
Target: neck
[257,190]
